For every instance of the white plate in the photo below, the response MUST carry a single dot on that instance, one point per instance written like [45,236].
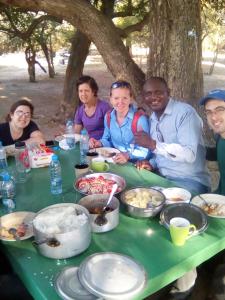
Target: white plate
[176,195]
[14,220]
[218,201]
[102,151]
[59,138]
[112,276]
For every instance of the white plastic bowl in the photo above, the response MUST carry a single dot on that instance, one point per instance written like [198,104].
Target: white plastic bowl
[176,195]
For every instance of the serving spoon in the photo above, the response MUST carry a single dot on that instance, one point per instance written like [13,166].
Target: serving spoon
[101,219]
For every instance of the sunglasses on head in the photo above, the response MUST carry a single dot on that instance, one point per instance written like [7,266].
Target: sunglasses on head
[119,84]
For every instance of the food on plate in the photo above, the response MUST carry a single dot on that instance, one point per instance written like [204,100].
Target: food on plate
[142,198]
[20,231]
[176,199]
[96,185]
[214,209]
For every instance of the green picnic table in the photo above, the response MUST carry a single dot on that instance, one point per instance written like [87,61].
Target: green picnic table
[145,240]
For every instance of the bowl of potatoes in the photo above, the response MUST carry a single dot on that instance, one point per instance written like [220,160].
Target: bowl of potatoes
[143,202]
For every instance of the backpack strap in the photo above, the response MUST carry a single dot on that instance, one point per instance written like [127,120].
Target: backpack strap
[134,123]
[136,117]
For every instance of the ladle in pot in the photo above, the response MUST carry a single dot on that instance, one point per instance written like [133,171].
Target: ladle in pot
[101,219]
[51,242]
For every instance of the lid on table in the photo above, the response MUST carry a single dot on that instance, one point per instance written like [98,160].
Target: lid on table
[123,276]
[19,144]
[68,285]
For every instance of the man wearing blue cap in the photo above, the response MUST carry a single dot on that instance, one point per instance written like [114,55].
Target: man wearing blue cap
[214,103]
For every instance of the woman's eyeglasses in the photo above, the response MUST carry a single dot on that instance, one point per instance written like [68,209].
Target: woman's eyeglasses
[159,134]
[20,113]
[119,84]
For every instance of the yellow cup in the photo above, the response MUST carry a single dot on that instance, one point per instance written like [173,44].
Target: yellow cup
[99,165]
[180,230]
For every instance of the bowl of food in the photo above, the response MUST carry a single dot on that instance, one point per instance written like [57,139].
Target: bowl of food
[192,213]
[212,204]
[176,195]
[99,183]
[142,202]
[95,204]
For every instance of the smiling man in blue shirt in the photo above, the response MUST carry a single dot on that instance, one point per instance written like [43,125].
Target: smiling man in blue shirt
[175,139]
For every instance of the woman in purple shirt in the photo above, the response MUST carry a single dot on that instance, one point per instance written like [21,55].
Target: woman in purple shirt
[90,114]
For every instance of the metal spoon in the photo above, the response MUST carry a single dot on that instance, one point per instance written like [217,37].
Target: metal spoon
[101,219]
[13,232]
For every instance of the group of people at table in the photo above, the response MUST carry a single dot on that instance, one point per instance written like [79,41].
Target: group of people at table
[169,141]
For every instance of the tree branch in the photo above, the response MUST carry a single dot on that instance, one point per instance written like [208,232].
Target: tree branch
[134,27]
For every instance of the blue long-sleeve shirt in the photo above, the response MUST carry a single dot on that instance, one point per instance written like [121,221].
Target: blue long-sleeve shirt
[122,137]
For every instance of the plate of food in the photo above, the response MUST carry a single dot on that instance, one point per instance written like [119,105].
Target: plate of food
[212,204]
[106,152]
[99,183]
[176,195]
[16,226]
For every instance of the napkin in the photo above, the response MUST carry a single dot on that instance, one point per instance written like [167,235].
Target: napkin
[63,145]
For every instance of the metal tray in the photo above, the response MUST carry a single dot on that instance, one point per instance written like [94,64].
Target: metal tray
[124,278]
[118,179]
[192,213]
[68,286]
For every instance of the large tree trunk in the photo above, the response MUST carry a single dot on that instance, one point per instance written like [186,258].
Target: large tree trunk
[175,46]
[79,51]
[98,29]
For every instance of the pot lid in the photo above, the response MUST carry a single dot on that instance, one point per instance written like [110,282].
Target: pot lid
[112,275]
[68,286]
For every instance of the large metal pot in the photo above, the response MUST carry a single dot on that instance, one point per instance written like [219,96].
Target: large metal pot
[93,203]
[69,242]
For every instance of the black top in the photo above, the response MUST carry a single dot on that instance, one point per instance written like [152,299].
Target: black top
[5,134]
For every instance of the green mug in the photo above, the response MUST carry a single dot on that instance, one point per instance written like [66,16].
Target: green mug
[99,165]
[181,230]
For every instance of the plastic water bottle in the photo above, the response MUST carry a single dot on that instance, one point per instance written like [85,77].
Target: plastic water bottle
[22,162]
[84,146]
[55,176]
[3,159]
[70,137]
[8,193]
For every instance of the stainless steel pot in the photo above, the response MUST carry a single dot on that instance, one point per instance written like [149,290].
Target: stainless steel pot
[151,209]
[64,244]
[93,202]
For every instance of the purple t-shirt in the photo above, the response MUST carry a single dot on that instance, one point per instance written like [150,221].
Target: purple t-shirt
[94,124]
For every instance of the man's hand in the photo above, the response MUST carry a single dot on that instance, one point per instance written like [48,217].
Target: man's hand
[144,164]
[121,158]
[143,139]
[93,143]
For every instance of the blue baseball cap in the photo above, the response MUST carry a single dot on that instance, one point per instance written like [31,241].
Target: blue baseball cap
[214,94]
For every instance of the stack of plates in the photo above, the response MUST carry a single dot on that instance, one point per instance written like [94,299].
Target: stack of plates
[105,275]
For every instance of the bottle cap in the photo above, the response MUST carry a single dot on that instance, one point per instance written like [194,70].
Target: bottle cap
[84,131]
[19,145]
[54,157]
[6,177]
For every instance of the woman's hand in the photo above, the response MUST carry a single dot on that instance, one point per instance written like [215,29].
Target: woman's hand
[93,143]
[144,164]
[121,158]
